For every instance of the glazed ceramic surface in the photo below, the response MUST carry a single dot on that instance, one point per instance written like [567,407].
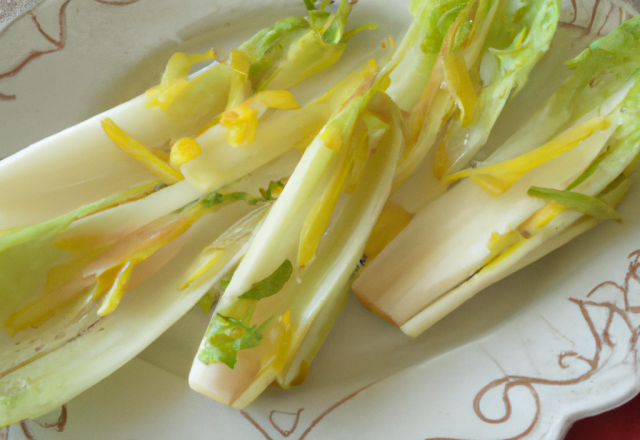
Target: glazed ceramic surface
[526,357]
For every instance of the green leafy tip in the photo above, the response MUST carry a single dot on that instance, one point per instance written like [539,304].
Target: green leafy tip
[230,336]
[331,27]
[227,335]
[580,202]
[271,193]
[272,284]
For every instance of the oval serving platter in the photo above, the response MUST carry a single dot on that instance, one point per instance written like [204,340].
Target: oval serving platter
[525,358]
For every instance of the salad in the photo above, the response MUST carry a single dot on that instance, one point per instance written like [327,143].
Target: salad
[298,214]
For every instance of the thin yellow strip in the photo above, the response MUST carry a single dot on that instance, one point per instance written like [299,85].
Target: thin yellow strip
[140,152]
[497,179]
[242,121]
[209,260]
[105,281]
[213,123]
[117,290]
[459,85]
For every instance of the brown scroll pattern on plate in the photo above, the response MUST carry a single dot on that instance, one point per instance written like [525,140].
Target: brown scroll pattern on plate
[597,17]
[595,363]
[311,426]
[59,425]
[58,44]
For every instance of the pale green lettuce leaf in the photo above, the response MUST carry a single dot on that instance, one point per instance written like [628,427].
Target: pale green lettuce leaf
[296,48]
[601,78]
[520,37]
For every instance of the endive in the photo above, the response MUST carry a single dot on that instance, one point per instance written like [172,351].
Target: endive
[578,147]
[179,106]
[473,55]
[64,332]
[64,270]
[298,265]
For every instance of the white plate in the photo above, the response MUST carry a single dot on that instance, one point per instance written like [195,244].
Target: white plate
[524,359]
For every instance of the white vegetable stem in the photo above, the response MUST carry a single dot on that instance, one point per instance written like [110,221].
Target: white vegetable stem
[81,164]
[447,242]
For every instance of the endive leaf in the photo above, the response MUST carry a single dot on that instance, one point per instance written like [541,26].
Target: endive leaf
[110,269]
[320,291]
[318,218]
[518,37]
[602,91]
[83,355]
[601,78]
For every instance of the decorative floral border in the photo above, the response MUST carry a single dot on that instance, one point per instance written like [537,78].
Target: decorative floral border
[294,425]
[58,44]
[595,363]
[615,15]
[59,426]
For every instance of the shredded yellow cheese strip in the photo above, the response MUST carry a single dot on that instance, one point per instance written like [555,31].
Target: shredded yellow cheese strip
[459,85]
[316,222]
[183,150]
[497,179]
[153,163]
[242,121]
[210,258]
[117,290]
[180,65]
[105,281]
[540,219]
